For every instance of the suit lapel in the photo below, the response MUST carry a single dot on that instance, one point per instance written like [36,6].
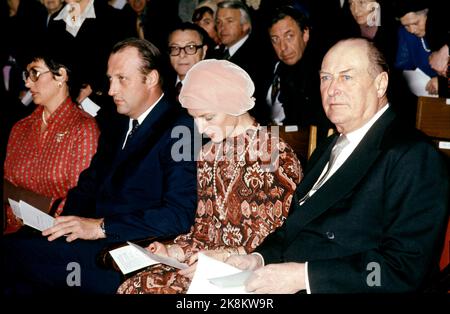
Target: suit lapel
[145,133]
[343,180]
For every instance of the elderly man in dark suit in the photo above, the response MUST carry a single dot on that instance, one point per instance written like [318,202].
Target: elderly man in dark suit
[138,185]
[371,212]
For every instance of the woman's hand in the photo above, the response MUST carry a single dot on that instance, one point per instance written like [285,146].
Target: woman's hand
[220,255]
[158,248]
[432,86]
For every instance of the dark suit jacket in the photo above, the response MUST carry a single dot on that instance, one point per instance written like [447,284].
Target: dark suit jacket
[255,58]
[386,204]
[87,53]
[141,191]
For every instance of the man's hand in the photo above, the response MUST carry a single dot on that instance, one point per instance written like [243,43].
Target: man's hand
[246,262]
[277,278]
[439,60]
[75,228]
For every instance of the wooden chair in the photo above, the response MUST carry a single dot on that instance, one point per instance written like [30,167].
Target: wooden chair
[433,118]
[302,140]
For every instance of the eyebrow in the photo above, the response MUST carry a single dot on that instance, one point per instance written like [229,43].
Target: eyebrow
[340,72]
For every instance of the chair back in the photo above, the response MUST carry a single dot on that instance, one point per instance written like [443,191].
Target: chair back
[433,118]
[302,140]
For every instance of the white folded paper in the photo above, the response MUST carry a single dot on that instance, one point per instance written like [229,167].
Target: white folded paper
[417,81]
[90,107]
[31,216]
[132,257]
[210,270]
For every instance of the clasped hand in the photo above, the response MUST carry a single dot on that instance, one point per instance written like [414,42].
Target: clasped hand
[272,278]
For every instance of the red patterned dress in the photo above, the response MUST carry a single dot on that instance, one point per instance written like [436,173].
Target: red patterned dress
[49,162]
[258,203]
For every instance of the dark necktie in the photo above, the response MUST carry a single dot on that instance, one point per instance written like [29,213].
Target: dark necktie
[133,130]
[178,89]
[275,86]
[341,142]
[226,54]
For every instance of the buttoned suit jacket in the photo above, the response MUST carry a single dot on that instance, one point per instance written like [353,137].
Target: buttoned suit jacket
[377,224]
[141,190]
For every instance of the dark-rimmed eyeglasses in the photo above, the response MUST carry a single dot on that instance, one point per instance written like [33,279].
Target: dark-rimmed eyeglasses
[33,74]
[189,49]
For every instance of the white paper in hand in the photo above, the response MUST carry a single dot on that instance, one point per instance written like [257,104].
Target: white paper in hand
[209,269]
[35,218]
[15,206]
[133,257]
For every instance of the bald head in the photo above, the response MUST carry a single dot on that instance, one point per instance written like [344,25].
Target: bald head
[353,83]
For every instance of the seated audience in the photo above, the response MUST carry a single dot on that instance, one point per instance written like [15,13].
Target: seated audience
[371,212]
[136,186]
[47,150]
[203,16]
[293,93]
[242,195]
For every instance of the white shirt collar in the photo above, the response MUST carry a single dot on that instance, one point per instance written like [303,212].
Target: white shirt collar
[357,135]
[232,50]
[141,118]
[73,18]
[144,115]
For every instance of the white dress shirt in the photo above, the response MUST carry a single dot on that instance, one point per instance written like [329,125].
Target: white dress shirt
[140,119]
[73,18]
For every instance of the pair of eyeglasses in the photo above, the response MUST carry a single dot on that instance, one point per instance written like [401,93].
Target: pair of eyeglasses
[33,74]
[189,50]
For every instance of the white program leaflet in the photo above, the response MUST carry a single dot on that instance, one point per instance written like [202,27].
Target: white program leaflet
[90,107]
[15,206]
[35,218]
[132,257]
[209,269]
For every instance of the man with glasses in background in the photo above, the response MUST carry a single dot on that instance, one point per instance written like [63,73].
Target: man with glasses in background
[186,47]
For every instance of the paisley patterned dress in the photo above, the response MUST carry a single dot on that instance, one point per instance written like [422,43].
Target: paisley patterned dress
[263,172]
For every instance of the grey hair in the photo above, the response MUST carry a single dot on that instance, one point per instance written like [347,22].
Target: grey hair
[237,4]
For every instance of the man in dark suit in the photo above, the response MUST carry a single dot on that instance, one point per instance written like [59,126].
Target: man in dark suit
[244,48]
[134,188]
[293,92]
[375,221]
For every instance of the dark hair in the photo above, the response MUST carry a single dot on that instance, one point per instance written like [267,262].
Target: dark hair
[192,27]
[150,55]
[200,12]
[54,64]
[298,16]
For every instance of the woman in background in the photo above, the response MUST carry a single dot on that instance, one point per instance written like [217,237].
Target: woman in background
[47,150]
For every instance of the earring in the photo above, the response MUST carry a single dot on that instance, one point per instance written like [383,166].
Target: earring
[60,84]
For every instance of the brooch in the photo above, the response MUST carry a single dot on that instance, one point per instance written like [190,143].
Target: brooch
[60,136]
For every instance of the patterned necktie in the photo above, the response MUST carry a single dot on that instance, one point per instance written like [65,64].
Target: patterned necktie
[275,86]
[133,130]
[341,142]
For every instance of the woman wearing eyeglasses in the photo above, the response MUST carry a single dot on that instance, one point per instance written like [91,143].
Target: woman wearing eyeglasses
[47,150]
